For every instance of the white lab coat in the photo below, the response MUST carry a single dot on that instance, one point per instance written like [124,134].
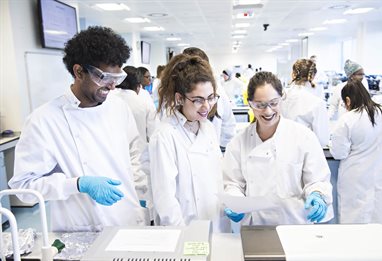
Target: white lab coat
[303,107]
[144,113]
[359,147]
[336,105]
[226,124]
[186,174]
[285,169]
[61,142]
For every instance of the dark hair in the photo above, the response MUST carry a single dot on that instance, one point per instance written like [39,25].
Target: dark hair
[181,75]
[141,73]
[304,70]
[95,46]
[131,81]
[196,51]
[360,99]
[260,79]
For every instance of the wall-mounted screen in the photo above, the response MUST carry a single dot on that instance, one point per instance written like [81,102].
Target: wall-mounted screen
[145,52]
[58,23]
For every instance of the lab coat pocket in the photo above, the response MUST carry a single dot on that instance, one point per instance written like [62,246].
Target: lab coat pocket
[289,179]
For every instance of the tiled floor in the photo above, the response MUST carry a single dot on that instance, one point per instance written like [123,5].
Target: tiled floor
[29,217]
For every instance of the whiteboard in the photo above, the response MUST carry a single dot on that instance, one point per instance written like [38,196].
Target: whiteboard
[47,77]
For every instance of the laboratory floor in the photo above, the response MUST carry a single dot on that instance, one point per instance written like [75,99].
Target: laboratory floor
[28,217]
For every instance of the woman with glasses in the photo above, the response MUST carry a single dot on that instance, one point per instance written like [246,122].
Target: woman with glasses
[357,142]
[278,159]
[302,106]
[185,156]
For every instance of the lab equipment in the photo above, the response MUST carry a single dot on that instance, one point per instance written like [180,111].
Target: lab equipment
[101,189]
[15,240]
[47,250]
[168,243]
[317,207]
[235,217]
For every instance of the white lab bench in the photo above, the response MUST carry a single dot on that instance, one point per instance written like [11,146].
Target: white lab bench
[224,247]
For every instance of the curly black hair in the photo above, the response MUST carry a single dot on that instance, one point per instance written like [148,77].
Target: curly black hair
[94,46]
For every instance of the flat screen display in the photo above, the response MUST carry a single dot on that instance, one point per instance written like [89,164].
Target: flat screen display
[145,52]
[58,23]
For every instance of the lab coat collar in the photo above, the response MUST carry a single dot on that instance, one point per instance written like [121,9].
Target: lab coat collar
[73,101]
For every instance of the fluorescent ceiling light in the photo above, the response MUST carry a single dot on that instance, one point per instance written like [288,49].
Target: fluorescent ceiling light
[153,28]
[54,32]
[305,34]
[292,40]
[316,29]
[240,31]
[238,36]
[112,7]
[246,2]
[183,44]
[285,44]
[335,21]
[137,20]
[173,39]
[358,10]
[242,25]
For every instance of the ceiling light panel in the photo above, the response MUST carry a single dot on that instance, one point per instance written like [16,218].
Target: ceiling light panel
[112,7]
[137,20]
[335,21]
[358,10]
[242,25]
[153,28]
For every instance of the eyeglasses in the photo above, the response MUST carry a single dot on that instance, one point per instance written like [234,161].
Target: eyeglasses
[104,78]
[263,105]
[358,74]
[147,76]
[199,101]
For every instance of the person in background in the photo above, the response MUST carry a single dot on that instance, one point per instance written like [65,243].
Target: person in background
[221,114]
[357,142]
[156,83]
[144,78]
[81,150]
[320,80]
[144,115]
[278,159]
[233,87]
[304,107]
[186,170]
[354,72]
[248,73]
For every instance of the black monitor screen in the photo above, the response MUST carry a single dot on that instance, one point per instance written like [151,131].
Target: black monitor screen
[58,23]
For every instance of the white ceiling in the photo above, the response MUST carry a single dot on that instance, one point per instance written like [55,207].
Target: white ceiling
[208,24]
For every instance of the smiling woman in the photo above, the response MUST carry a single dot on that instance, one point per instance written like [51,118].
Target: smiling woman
[186,146]
[279,159]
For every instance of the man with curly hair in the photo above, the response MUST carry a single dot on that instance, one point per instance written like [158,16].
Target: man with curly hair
[82,150]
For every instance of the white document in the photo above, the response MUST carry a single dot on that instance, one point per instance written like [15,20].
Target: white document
[145,240]
[246,204]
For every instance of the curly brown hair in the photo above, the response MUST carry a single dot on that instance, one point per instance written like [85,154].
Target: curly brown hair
[181,75]
[304,70]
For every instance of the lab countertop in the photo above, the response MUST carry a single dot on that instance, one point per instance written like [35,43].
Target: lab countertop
[9,141]
[224,247]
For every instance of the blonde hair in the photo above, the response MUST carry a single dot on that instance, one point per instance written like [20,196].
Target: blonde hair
[304,70]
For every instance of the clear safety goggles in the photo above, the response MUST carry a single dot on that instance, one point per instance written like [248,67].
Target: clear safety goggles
[263,105]
[199,101]
[104,78]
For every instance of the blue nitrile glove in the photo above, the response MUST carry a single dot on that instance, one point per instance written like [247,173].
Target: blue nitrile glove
[235,217]
[318,207]
[101,189]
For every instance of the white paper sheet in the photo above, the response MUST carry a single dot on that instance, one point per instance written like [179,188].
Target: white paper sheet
[246,204]
[145,240]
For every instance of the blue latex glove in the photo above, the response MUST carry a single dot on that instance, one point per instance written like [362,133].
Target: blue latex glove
[101,189]
[317,207]
[235,217]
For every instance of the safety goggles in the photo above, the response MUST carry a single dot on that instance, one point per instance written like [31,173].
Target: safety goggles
[263,105]
[199,101]
[104,78]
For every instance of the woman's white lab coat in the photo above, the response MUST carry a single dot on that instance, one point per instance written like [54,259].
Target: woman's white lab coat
[304,107]
[186,176]
[285,168]
[359,147]
[61,142]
